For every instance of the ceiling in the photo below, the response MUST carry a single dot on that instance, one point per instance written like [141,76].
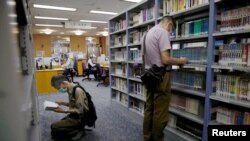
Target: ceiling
[82,13]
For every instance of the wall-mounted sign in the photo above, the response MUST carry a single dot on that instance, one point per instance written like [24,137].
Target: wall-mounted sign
[77,25]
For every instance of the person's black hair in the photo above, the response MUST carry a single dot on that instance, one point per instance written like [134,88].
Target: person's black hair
[168,18]
[56,80]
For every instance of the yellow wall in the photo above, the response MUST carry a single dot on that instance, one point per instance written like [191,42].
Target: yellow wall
[42,43]
[103,44]
[78,43]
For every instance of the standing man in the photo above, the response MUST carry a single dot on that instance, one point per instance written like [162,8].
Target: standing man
[92,67]
[157,51]
[71,125]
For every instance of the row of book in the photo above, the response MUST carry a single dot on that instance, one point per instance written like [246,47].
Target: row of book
[137,105]
[119,83]
[192,28]
[136,36]
[173,6]
[235,19]
[135,70]
[194,55]
[138,89]
[120,97]
[190,105]
[235,54]
[233,87]
[185,125]
[135,54]
[120,69]
[142,16]
[194,80]
[195,45]
[118,40]
[230,116]
[118,25]
[119,55]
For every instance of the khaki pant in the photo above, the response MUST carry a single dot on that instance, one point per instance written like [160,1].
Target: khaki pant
[66,127]
[156,111]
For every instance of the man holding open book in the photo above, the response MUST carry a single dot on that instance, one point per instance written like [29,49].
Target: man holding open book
[69,126]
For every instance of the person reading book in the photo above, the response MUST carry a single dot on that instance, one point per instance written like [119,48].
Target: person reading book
[70,126]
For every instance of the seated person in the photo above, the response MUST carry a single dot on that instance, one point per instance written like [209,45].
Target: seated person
[71,125]
[92,67]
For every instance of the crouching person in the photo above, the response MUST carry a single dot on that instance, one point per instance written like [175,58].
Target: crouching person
[71,125]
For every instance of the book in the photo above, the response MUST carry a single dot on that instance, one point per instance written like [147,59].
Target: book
[49,105]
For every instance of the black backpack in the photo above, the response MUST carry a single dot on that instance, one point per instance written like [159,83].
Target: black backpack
[89,117]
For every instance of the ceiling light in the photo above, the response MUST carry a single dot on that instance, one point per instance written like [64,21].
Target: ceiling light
[54,7]
[12,15]
[90,21]
[11,3]
[48,31]
[78,32]
[92,27]
[104,33]
[137,1]
[49,25]
[51,18]
[13,23]
[102,12]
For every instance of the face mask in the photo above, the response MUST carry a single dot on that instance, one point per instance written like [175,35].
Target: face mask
[62,90]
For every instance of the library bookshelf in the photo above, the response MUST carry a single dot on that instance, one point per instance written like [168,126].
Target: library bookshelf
[213,88]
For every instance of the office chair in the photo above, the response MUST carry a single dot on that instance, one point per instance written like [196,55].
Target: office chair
[86,72]
[102,76]
[70,73]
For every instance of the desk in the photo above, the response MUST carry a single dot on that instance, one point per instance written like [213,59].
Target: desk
[43,79]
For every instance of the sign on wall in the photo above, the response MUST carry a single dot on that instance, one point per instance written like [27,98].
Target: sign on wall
[77,25]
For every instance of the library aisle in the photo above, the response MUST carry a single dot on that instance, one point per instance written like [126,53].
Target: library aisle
[114,121]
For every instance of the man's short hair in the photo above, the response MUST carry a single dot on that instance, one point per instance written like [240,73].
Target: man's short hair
[56,80]
[168,19]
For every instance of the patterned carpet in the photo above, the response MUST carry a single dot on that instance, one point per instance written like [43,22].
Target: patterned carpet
[114,123]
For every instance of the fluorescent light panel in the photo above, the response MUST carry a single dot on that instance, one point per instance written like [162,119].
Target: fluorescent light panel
[92,27]
[51,18]
[90,21]
[13,23]
[11,3]
[78,32]
[13,15]
[54,7]
[49,25]
[102,12]
[137,1]
[48,31]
